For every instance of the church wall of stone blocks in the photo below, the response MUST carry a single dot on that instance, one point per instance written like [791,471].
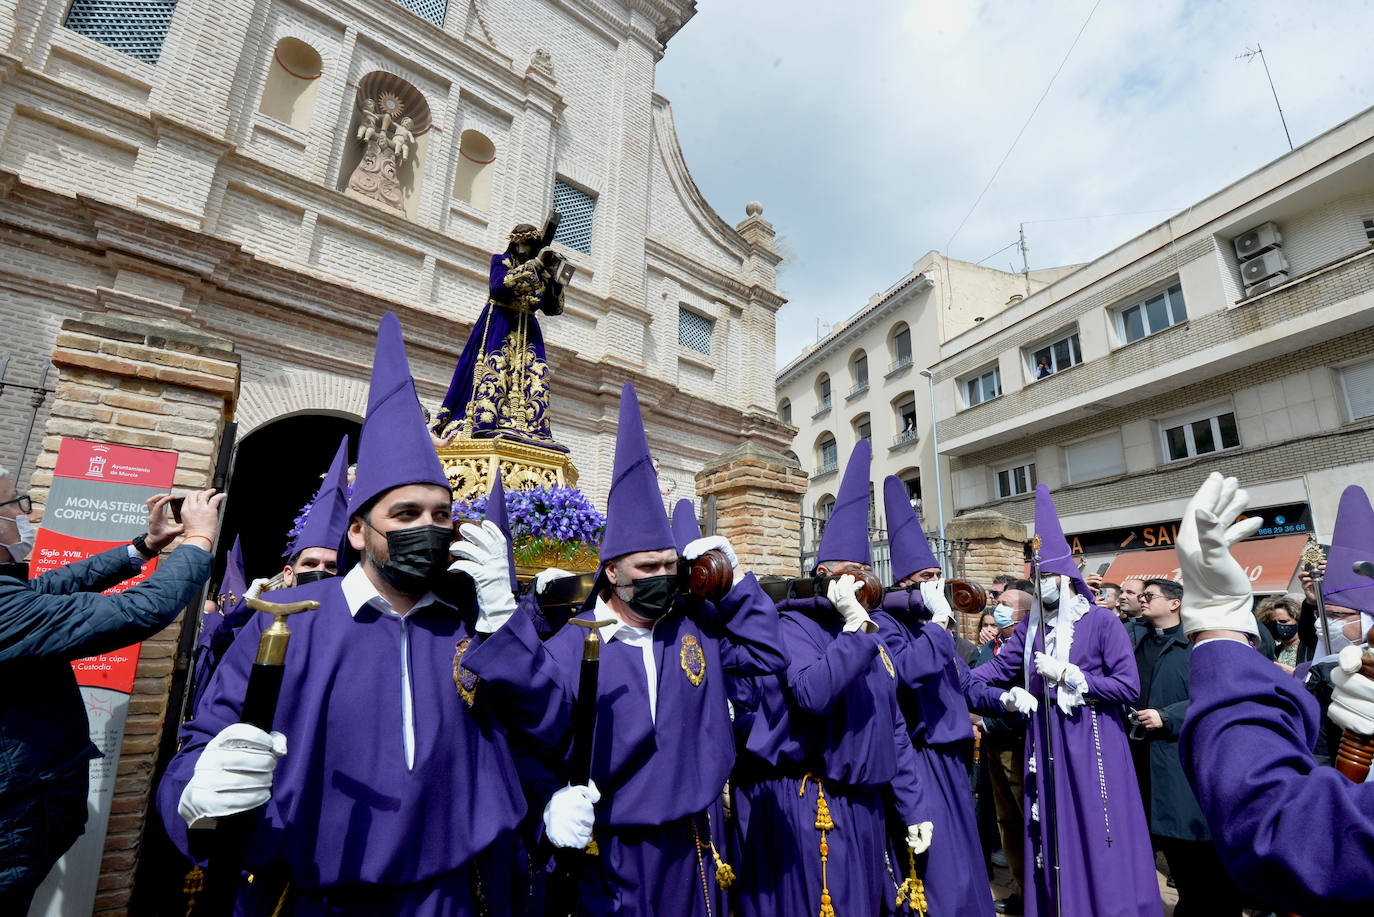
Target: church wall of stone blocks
[280,173]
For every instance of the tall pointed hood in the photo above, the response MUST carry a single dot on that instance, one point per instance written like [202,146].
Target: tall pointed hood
[394,447]
[685,527]
[235,581]
[846,533]
[635,517]
[496,512]
[1351,541]
[910,551]
[327,516]
[1055,556]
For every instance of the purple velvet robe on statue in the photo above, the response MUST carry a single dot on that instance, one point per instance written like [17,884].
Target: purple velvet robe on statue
[834,718]
[1298,835]
[932,703]
[1107,867]
[497,321]
[354,830]
[661,779]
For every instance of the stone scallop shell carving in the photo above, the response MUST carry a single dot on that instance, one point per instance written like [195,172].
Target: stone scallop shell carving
[393,95]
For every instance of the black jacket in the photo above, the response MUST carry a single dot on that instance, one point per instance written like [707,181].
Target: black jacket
[48,622]
[1169,800]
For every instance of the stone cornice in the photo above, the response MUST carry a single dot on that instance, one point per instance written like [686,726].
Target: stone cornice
[703,273]
[701,212]
[856,325]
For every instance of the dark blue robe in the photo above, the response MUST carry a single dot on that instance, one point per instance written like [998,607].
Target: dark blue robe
[929,674]
[514,293]
[834,717]
[1298,835]
[350,826]
[661,779]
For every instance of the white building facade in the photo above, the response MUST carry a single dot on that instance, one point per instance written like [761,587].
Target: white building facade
[195,160]
[1236,337]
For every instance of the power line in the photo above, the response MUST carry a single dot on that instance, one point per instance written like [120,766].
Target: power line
[1029,118]
[999,251]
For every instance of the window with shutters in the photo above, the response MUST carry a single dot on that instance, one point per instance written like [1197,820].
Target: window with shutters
[827,455]
[433,10]
[1099,457]
[133,27]
[1014,480]
[1199,434]
[904,414]
[858,372]
[982,386]
[901,348]
[863,427]
[578,210]
[1357,383]
[1369,230]
[1158,311]
[822,395]
[785,411]
[693,330]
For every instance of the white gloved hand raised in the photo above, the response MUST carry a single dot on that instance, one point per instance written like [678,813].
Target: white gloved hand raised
[699,546]
[1216,591]
[842,593]
[918,836]
[233,774]
[482,555]
[255,588]
[569,816]
[933,596]
[544,577]
[1019,700]
[1352,693]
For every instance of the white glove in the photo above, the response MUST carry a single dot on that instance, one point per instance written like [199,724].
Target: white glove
[1019,700]
[233,774]
[569,816]
[918,836]
[1216,591]
[1060,673]
[842,593]
[482,555]
[699,546]
[1352,694]
[255,588]
[544,577]
[933,595]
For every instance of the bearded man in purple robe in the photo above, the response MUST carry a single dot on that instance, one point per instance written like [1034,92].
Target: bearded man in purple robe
[1069,667]
[387,785]
[500,386]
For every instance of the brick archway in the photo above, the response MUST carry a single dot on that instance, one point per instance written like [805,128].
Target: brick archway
[296,391]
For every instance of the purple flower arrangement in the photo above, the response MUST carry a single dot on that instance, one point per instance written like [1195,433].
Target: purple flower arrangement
[299,523]
[550,525]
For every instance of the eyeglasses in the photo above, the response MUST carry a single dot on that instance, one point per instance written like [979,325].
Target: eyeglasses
[25,504]
[1150,596]
[995,593]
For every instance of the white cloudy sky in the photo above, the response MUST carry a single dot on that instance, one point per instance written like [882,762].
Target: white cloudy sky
[867,128]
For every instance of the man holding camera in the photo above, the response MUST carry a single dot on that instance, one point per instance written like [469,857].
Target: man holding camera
[46,624]
[662,747]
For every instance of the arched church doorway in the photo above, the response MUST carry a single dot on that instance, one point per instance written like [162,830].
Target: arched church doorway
[277,469]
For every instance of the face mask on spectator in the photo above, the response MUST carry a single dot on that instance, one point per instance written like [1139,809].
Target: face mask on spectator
[1002,615]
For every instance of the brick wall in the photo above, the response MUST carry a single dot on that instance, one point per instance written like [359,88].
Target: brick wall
[758,506]
[158,385]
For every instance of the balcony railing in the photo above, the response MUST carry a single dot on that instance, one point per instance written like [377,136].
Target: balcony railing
[904,437]
[822,409]
[898,365]
[827,468]
[857,390]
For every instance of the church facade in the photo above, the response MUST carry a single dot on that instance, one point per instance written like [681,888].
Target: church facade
[279,173]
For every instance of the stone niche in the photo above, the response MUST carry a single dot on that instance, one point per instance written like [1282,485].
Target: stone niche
[387,144]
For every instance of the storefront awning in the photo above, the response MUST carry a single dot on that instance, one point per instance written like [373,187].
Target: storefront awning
[1269,562]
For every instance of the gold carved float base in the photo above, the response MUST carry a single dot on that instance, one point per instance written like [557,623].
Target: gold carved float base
[471,464]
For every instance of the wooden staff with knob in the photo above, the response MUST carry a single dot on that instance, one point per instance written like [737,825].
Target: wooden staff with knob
[230,840]
[1356,753]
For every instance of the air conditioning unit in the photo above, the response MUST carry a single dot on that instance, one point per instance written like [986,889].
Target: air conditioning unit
[1260,239]
[1262,267]
[1269,284]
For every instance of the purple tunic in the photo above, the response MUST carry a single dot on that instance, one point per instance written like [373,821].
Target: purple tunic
[352,827]
[661,778]
[835,718]
[932,703]
[513,293]
[1106,863]
[1299,835]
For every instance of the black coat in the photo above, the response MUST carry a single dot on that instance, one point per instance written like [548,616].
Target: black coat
[1169,800]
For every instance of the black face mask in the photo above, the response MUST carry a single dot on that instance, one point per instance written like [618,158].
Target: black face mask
[312,576]
[653,597]
[1284,632]
[418,557]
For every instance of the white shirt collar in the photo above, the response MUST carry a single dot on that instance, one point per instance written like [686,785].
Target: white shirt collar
[359,591]
[609,632]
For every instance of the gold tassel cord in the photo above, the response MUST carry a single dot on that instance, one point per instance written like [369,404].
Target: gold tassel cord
[194,885]
[725,874]
[913,890]
[823,824]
